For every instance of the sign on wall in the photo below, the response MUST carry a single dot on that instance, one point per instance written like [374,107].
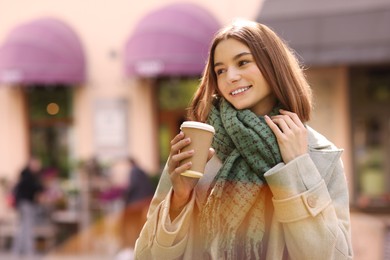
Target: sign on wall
[110,122]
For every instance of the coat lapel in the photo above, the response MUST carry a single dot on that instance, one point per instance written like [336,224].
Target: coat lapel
[322,152]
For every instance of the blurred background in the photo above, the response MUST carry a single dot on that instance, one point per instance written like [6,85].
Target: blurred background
[96,91]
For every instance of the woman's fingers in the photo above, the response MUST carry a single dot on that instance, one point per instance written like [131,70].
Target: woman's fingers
[175,156]
[182,186]
[177,138]
[285,122]
[273,126]
[293,116]
[181,168]
[211,154]
[289,123]
[290,133]
[176,142]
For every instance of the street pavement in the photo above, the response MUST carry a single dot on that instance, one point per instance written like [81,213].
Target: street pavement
[9,256]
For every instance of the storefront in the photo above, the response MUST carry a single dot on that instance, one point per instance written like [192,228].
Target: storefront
[42,65]
[162,51]
[130,102]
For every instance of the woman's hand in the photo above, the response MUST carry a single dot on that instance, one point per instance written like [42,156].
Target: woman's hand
[182,185]
[290,133]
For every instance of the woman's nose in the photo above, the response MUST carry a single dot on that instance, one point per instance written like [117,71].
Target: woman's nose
[233,75]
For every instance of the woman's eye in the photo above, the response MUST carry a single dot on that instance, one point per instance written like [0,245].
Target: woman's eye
[219,71]
[243,62]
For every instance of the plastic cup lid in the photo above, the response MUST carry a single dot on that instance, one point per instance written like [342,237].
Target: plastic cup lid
[199,125]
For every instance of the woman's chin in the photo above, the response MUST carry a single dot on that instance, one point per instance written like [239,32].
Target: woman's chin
[240,106]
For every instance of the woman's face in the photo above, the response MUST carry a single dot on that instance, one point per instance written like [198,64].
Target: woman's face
[239,79]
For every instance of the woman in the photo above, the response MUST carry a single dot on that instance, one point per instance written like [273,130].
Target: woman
[274,188]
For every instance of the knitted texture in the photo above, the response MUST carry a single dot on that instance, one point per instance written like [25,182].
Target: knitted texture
[234,211]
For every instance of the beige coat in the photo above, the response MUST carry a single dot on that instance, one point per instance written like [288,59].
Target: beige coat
[311,218]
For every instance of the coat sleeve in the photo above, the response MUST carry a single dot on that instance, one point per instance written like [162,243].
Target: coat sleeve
[161,238]
[311,202]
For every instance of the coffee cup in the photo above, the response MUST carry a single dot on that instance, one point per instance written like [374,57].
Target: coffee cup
[201,136]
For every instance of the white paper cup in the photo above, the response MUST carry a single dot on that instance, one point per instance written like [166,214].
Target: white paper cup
[201,135]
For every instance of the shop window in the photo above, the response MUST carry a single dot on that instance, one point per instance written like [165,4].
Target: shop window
[49,112]
[174,96]
[370,106]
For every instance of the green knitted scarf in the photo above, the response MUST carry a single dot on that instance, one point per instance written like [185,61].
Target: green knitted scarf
[234,210]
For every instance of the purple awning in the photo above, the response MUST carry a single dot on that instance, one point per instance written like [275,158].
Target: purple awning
[173,40]
[44,51]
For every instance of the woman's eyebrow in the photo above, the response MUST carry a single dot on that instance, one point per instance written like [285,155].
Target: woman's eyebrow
[236,57]
[241,54]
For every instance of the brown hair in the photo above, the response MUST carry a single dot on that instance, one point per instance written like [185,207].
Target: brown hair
[276,62]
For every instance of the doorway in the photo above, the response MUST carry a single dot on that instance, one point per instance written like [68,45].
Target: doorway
[174,96]
[370,106]
[49,110]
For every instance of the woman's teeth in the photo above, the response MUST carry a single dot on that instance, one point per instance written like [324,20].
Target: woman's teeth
[238,91]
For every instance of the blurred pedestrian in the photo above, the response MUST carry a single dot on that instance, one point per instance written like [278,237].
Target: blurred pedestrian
[28,191]
[137,198]
[140,187]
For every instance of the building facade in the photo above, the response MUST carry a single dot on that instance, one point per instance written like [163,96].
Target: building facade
[80,80]
[110,110]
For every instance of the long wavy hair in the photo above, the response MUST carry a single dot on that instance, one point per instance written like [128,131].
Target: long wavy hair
[276,61]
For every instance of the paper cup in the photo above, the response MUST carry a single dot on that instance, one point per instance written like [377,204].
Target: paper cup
[201,135]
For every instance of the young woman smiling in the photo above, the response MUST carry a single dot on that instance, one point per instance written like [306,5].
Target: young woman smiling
[274,188]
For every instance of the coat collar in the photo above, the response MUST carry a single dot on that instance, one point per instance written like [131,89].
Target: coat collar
[317,140]
[323,153]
